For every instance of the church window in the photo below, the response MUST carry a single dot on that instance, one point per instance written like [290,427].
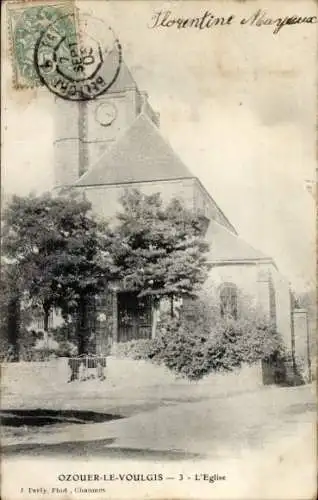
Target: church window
[228,300]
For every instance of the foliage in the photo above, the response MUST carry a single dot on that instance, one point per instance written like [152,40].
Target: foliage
[60,254]
[4,302]
[65,336]
[26,342]
[199,342]
[64,332]
[135,349]
[194,353]
[15,316]
[47,236]
[159,250]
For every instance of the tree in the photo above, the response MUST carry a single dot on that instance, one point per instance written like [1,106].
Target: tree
[9,309]
[54,243]
[159,251]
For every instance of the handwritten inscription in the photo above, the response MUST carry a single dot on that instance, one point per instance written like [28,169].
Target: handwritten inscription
[166,19]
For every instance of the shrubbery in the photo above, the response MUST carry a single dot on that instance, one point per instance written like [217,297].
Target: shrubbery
[135,349]
[29,349]
[194,353]
[65,336]
[196,345]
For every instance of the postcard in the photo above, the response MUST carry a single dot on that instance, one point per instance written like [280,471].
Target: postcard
[158,285]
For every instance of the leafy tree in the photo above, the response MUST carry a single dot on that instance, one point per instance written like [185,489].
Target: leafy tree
[54,243]
[15,314]
[9,310]
[159,249]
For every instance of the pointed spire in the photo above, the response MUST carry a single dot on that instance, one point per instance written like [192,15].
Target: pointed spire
[124,80]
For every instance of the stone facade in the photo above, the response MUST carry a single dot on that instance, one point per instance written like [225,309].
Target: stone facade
[189,190]
[113,143]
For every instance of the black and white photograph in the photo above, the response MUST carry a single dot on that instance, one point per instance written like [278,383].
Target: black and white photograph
[158,249]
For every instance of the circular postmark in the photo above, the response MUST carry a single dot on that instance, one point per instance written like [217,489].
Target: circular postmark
[77,57]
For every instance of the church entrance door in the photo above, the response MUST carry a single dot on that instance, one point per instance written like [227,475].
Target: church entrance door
[134,317]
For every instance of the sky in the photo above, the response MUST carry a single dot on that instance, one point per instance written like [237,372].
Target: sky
[237,104]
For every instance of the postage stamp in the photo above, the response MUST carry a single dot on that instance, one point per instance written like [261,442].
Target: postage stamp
[26,21]
[77,57]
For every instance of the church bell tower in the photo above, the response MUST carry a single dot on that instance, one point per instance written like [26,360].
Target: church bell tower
[85,130]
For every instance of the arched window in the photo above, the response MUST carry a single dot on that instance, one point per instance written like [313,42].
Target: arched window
[228,300]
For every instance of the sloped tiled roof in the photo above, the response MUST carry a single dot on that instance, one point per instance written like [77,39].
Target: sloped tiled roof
[226,246]
[141,154]
[124,80]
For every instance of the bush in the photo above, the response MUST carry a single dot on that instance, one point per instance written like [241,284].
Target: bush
[27,341]
[134,349]
[30,351]
[199,342]
[65,336]
[4,347]
[189,353]
[194,352]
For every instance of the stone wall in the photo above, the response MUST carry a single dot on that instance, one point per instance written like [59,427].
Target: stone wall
[244,276]
[261,288]
[206,205]
[24,381]
[301,338]
[283,307]
[105,199]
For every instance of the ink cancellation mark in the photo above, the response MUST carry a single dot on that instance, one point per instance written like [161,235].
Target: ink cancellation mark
[78,58]
[25,23]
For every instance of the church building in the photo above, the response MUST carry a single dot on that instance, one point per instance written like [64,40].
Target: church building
[114,142]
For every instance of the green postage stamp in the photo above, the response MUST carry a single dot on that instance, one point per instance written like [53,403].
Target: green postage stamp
[26,22]
[76,56]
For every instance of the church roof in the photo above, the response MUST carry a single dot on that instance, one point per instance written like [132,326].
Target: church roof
[140,155]
[124,80]
[226,246]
